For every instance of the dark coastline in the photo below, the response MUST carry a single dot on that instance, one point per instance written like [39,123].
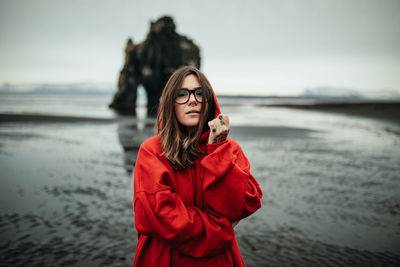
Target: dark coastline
[384,110]
[388,110]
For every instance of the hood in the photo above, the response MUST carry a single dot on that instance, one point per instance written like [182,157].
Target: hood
[204,136]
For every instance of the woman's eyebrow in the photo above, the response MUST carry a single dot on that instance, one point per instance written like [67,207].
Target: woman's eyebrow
[191,89]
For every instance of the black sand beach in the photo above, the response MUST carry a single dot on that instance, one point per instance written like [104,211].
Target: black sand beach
[330,186]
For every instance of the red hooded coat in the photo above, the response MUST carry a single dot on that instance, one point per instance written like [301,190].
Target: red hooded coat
[183,218]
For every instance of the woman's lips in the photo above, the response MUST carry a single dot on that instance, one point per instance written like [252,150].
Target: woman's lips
[193,112]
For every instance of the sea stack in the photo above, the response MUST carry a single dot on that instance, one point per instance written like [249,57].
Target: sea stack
[150,63]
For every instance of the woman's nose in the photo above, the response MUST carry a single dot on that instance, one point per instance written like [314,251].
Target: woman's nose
[192,99]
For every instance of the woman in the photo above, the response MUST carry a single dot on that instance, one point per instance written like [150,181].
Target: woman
[192,184]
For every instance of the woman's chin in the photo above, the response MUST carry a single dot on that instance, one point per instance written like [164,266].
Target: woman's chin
[191,123]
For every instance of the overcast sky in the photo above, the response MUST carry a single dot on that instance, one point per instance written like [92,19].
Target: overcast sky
[270,46]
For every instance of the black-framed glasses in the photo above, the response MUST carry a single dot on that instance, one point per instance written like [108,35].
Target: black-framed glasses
[184,95]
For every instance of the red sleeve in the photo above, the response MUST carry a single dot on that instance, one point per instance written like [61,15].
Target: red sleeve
[228,186]
[161,213]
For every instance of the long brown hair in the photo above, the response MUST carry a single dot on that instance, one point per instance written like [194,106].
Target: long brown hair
[179,143]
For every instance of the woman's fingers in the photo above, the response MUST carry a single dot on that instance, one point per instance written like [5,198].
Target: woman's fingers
[224,120]
[219,124]
[211,124]
[219,129]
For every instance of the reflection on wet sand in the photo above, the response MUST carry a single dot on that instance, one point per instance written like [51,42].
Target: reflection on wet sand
[130,136]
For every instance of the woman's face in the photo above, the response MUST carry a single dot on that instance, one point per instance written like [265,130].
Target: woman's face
[188,114]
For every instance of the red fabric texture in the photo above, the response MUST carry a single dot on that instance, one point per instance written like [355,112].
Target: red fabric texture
[183,218]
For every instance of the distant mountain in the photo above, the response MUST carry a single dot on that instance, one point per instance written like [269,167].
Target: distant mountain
[325,92]
[66,88]
[330,92]
[385,93]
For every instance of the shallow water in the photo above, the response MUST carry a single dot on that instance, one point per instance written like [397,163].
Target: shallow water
[330,182]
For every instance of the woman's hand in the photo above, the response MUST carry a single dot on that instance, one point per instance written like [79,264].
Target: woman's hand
[219,129]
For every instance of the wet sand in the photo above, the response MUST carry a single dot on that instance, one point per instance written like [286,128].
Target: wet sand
[330,192]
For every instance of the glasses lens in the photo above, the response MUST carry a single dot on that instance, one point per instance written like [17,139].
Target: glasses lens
[182,96]
[199,94]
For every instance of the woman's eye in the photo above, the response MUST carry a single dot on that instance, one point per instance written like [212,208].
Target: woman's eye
[183,92]
[199,91]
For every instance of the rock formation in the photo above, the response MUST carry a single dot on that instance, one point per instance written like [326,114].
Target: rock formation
[150,64]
